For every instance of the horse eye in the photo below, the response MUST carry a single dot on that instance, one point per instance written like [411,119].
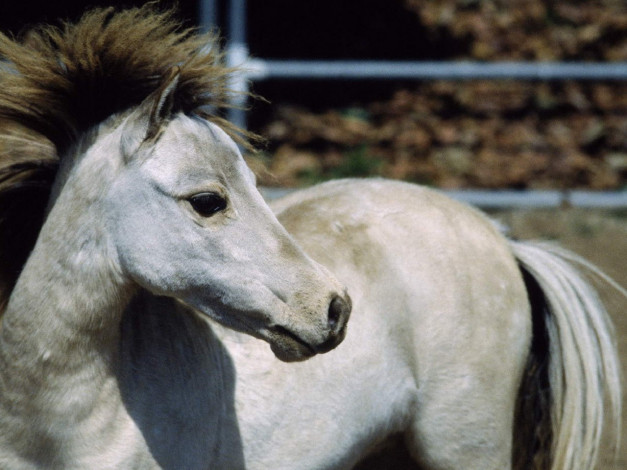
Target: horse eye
[207,204]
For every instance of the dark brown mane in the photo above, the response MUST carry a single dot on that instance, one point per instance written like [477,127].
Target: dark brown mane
[57,82]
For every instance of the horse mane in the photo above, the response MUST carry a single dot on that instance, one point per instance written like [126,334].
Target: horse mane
[58,82]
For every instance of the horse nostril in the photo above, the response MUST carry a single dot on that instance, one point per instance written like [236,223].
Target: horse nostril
[338,312]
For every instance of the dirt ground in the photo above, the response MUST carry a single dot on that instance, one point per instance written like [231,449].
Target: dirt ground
[599,236]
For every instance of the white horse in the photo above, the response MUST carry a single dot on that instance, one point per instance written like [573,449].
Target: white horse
[482,353]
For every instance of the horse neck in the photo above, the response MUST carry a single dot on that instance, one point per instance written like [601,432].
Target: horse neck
[60,329]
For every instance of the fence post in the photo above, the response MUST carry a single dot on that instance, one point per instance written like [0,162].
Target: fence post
[236,56]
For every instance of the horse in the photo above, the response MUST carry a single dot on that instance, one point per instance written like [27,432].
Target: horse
[145,195]
[147,268]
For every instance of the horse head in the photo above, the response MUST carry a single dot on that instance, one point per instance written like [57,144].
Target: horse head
[188,222]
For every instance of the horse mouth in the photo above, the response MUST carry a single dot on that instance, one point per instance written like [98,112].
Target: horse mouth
[289,347]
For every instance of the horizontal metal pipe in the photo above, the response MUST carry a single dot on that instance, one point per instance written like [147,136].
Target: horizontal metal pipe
[259,69]
[542,199]
[510,199]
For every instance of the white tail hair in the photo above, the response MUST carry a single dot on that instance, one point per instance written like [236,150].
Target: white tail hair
[583,367]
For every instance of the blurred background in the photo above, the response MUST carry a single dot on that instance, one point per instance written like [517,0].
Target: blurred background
[519,134]
[452,134]
[541,133]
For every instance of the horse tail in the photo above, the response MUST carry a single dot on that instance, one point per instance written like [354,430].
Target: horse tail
[572,378]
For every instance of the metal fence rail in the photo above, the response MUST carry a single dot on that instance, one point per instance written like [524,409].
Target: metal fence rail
[511,199]
[258,69]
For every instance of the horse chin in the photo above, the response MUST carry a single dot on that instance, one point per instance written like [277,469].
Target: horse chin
[288,347]
[291,353]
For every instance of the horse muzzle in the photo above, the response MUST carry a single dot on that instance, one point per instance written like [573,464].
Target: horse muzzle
[289,346]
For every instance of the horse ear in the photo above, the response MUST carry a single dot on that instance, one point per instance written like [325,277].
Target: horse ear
[163,103]
[146,122]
